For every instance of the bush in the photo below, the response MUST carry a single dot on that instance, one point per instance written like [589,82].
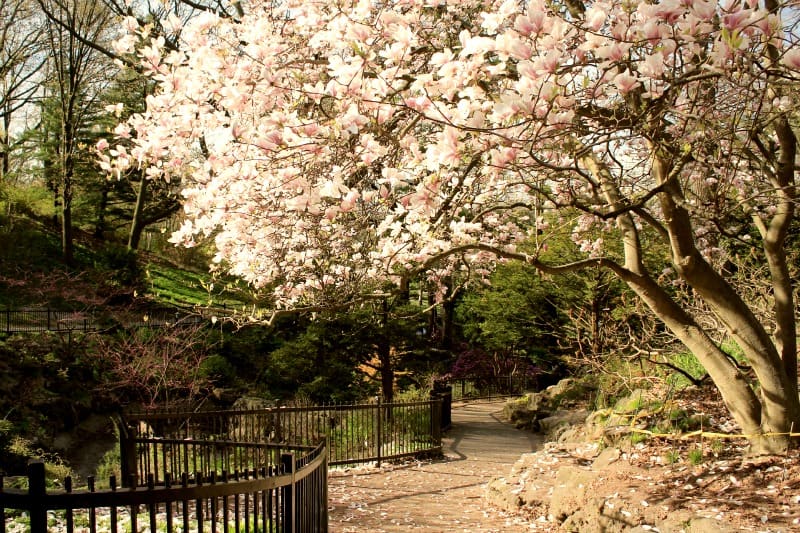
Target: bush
[217,369]
[121,263]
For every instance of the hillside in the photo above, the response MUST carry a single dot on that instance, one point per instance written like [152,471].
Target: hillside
[58,389]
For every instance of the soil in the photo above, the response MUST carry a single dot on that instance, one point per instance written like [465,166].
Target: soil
[440,495]
[679,484]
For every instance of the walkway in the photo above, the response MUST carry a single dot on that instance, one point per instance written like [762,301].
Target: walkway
[440,496]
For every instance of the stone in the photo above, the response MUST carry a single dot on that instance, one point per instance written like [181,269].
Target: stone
[569,491]
[556,423]
[606,458]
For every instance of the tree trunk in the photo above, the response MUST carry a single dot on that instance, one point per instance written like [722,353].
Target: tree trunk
[100,225]
[780,411]
[384,346]
[137,226]
[387,370]
[67,245]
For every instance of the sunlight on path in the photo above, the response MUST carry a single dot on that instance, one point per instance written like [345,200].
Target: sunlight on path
[441,496]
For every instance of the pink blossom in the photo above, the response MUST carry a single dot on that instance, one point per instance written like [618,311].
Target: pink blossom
[704,9]
[792,58]
[669,10]
[531,24]
[595,17]
[736,20]
[625,82]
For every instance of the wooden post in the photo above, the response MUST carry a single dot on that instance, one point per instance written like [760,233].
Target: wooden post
[37,492]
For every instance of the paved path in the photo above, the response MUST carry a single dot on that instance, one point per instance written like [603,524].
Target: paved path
[439,496]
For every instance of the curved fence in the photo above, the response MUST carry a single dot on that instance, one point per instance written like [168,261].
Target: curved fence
[289,495]
[355,433]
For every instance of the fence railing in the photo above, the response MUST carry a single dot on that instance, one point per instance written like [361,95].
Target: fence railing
[355,433]
[290,496]
[38,320]
[490,386]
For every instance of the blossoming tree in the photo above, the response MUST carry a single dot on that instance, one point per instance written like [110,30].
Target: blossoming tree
[335,150]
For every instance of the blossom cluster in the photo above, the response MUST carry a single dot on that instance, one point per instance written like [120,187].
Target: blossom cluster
[343,144]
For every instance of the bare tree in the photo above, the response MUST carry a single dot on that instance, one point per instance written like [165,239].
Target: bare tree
[21,62]
[77,75]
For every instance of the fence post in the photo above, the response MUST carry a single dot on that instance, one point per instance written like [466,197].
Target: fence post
[37,491]
[444,391]
[289,494]
[437,409]
[127,452]
[380,429]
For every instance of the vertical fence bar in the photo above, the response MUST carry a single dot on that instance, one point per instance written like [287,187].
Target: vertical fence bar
[112,484]
[379,433]
[92,509]
[289,503]
[37,493]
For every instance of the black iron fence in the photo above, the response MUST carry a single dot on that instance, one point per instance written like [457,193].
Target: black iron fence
[45,319]
[288,496]
[355,433]
[490,386]
[24,320]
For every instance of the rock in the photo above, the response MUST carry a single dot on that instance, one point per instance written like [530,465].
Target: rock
[569,492]
[606,457]
[707,525]
[83,448]
[251,403]
[597,516]
[552,426]
[631,403]
[528,411]
[501,494]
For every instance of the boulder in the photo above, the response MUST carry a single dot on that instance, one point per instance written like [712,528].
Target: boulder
[569,492]
[555,424]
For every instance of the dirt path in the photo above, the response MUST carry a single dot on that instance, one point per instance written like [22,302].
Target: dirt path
[439,496]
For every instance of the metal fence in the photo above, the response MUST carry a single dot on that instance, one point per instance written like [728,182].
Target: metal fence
[31,320]
[355,433]
[38,320]
[290,496]
[471,388]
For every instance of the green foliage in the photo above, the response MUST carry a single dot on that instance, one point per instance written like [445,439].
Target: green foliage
[672,457]
[218,370]
[109,466]
[120,263]
[695,456]
[689,363]
[28,199]
[730,347]
[54,467]
[518,313]
[321,362]
[26,246]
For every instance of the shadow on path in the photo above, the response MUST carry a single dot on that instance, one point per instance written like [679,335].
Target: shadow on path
[436,496]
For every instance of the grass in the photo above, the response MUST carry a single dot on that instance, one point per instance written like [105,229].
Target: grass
[672,457]
[695,456]
[181,287]
[689,363]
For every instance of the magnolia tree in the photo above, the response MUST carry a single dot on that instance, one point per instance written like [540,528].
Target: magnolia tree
[336,150]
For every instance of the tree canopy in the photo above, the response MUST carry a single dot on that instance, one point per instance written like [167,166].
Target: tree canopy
[335,150]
